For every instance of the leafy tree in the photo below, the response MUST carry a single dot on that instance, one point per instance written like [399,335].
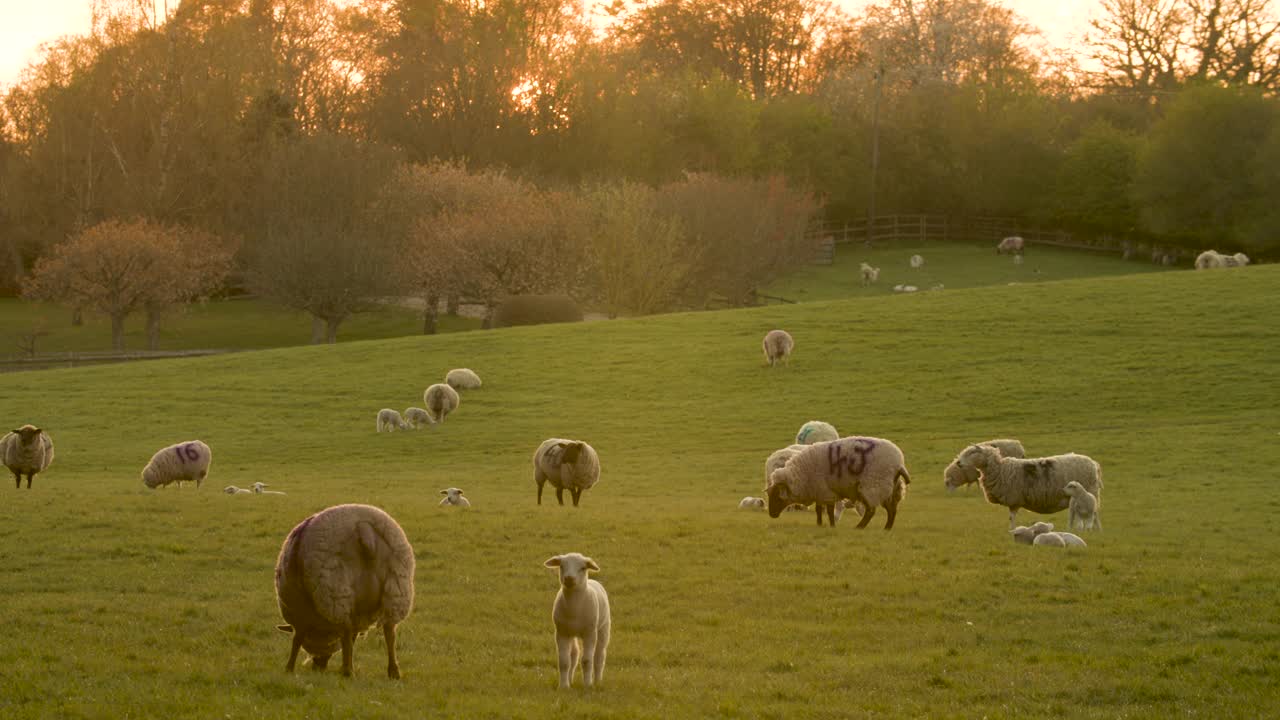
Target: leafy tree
[1094,187]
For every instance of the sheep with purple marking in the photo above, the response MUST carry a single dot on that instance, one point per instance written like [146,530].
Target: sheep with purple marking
[568,465]
[1036,484]
[178,463]
[27,450]
[955,477]
[1012,244]
[870,471]
[778,345]
[440,400]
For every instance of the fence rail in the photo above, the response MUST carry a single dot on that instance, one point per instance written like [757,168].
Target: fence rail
[44,361]
[941,228]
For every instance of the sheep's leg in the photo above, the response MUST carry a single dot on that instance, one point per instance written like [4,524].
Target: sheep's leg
[871,511]
[1097,521]
[831,514]
[348,652]
[588,659]
[577,493]
[560,495]
[891,507]
[1013,517]
[293,651]
[567,653]
[17,480]
[389,635]
[602,645]
[541,481]
[29,476]
[818,507]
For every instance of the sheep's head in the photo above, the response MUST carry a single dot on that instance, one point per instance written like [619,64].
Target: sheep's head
[573,568]
[1072,489]
[978,456]
[779,491]
[453,494]
[569,452]
[28,433]
[231,489]
[956,476]
[1023,535]
[319,646]
[258,488]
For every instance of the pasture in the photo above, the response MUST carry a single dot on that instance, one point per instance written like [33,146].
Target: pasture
[123,602]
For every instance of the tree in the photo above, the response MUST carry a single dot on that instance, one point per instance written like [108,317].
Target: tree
[1094,187]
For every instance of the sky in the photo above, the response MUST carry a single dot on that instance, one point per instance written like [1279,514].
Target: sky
[25,24]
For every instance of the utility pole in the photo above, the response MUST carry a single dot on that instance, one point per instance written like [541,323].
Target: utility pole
[875,152]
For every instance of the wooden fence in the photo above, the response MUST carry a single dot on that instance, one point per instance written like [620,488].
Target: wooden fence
[44,361]
[892,229]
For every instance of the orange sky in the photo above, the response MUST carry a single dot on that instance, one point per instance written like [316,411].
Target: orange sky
[24,24]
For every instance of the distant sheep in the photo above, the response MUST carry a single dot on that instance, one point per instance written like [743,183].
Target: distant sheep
[1012,244]
[869,274]
[1082,508]
[1059,539]
[905,288]
[917,261]
[568,465]
[441,400]
[260,488]
[418,418]
[751,503]
[453,497]
[582,618]
[870,471]
[1213,259]
[1032,483]
[178,463]
[340,572]
[778,345]
[1027,535]
[26,451]
[462,379]
[955,477]
[389,421]
[816,431]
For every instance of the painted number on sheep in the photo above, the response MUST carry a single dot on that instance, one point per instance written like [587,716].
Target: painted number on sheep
[187,452]
[838,462]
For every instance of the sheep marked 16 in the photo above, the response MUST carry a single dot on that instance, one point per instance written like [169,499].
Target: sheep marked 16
[178,463]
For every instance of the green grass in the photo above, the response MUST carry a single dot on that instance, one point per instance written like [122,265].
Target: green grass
[122,602]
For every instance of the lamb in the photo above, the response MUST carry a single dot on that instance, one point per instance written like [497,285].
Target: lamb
[868,470]
[453,497]
[778,345]
[260,488]
[390,421]
[905,288]
[1012,244]
[869,274]
[1059,539]
[1213,259]
[568,465]
[954,476]
[26,451]
[182,462]
[233,490]
[751,503]
[917,261]
[341,571]
[462,379]
[1082,508]
[440,400]
[1032,483]
[417,418]
[1027,535]
[816,431]
[582,619]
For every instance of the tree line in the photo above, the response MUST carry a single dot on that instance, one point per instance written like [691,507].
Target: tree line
[641,154]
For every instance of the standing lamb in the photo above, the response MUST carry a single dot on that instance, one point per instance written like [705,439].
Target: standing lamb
[453,497]
[917,261]
[568,465]
[418,418]
[462,379]
[778,345]
[1082,508]
[178,463]
[341,571]
[1012,244]
[1033,483]
[233,490]
[26,451]
[870,471]
[869,274]
[440,400]
[954,476]
[389,421]
[816,431]
[582,619]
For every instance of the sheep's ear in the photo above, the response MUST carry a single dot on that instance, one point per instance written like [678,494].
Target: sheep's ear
[285,628]
[553,562]
[591,565]
[444,492]
[460,493]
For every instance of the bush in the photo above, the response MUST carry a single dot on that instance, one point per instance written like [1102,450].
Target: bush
[536,310]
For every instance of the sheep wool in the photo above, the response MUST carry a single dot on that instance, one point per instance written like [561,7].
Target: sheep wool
[778,345]
[1036,484]
[751,503]
[440,400]
[917,261]
[181,462]
[954,476]
[1059,539]
[816,431]
[390,420]
[418,418]
[778,458]
[462,379]
[870,471]
[341,571]
[1027,535]
[26,451]
[453,498]
[568,465]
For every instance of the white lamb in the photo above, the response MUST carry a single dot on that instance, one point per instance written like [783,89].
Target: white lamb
[389,421]
[1027,535]
[1082,509]
[751,503]
[917,261]
[582,619]
[260,488]
[418,418]
[869,274]
[1059,539]
[453,497]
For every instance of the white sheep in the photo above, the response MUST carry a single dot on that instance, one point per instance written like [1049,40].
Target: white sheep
[917,261]
[260,488]
[582,619]
[1027,535]
[905,288]
[778,345]
[1082,508]
[453,498]
[462,379]
[340,572]
[233,490]
[869,274]
[751,503]
[26,451]
[418,418]
[778,458]
[568,465]
[870,471]
[440,400]
[1032,483]
[816,431]
[389,421]
[1059,539]
[178,463]
[954,477]
[1213,259]
[1012,244]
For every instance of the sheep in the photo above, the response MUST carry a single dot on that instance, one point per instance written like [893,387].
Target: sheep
[1213,259]
[417,418]
[751,503]
[462,379]
[453,498]
[778,458]
[568,465]
[440,400]
[816,431]
[1059,539]
[1012,244]
[1032,483]
[341,571]
[582,619]
[390,421]
[233,490]
[917,262]
[865,469]
[260,488]
[778,345]
[26,451]
[954,476]
[905,288]
[1082,508]
[1027,535]
[178,463]
[869,274]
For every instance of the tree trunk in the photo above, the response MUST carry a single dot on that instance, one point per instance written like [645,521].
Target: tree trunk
[77,316]
[429,315]
[117,331]
[153,329]
[451,306]
[317,330]
[331,330]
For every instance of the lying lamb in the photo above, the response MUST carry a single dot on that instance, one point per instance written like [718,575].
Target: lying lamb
[1059,539]
[453,498]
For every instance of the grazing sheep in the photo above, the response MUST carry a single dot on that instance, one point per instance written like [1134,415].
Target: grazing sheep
[26,451]
[1012,244]
[816,431]
[1213,259]
[568,465]
[751,503]
[870,471]
[260,488]
[341,571]
[233,490]
[1032,483]
[778,458]
[917,261]
[1059,539]
[1082,508]
[462,379]
[440,400]
[869,274]
[1027,535]
[582,618]
[453,497]
[954,476]
[417,418]
[178,463]
[389,420]
[778,345]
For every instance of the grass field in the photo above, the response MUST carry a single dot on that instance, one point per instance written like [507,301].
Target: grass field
[122,602]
